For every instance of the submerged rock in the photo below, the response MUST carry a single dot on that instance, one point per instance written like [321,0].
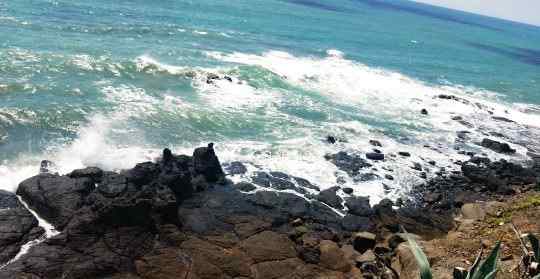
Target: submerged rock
[497,146]
[375,156]
[235,168]
[349,163]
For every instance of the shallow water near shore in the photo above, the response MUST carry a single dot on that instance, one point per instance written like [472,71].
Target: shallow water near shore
[111,84]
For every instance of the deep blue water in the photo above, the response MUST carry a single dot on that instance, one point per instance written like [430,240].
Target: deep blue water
[110,83]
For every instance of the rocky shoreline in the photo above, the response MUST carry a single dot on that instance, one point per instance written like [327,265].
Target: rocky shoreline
[181,217]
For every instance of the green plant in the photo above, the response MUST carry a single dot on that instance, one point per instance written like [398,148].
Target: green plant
[486,269]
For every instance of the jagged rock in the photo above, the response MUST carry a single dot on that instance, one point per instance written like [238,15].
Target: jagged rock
[364,241]
[17,226]
[351,164]
[497,146]
[332,257]
[55,197]
[359,206]
[206,163]
[330,197]
[331,139]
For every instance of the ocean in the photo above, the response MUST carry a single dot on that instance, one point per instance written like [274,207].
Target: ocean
[112,83]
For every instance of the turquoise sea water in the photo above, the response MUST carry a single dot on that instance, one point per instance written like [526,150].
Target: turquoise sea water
[110,83]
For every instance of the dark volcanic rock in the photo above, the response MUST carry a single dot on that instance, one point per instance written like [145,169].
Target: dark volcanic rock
[349,163]
[206,163]
[235,168]
[375,156]
[497,146]
[375,143]
[93,173]
[358,206]
[424,112]
[17,226]
[55,197]
[330,197]
[355,223]
[278,181]
[331,139]
[404,154]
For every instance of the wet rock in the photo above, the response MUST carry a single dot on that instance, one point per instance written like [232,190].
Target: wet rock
[331,139]
[46,166]
[375,156]
[348,190]
[206,163]
[363,177]
[404,154]
[349,163]
[358,206]
[93,173]
[424,111]
[284,202]
[305,183]
[245,186]
[55,197]
[375,143]
[17,226]
[389,177]
[364,241]
[235,168]
[330,197]
[332,257]
[417,166]
[497,146]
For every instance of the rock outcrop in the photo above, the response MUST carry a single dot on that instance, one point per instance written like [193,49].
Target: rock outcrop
[17,226]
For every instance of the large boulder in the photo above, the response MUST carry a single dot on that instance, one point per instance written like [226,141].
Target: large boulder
[206,163]
[56,198]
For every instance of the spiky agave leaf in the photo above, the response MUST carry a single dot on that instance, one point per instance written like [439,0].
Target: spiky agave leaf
[476,263]
[488,268]
[421,259]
